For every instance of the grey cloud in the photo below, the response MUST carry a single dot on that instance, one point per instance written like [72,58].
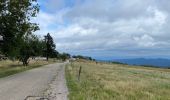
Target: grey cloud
[163,5]
[116,27]
[111,10]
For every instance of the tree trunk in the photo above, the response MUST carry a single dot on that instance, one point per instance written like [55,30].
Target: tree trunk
[47,58]
[25,61]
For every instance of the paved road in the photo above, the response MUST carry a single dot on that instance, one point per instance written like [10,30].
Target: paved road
[58,89]
[35,82]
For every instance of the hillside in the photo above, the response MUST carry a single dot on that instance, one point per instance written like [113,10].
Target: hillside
[163,63]
[104,81]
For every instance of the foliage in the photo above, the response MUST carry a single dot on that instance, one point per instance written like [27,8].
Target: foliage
[54,54]
[32,46]
[116,62]
[50,46]
[64,56]
[15,23]
[83,57]
[17,31]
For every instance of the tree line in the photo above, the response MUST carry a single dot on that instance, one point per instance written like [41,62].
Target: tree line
[83,57]
[17,30]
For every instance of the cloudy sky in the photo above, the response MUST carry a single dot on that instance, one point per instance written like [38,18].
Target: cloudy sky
[108,29]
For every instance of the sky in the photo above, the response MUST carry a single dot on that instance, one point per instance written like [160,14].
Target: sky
[107,29]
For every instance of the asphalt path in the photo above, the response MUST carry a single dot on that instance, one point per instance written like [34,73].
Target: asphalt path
[43,82]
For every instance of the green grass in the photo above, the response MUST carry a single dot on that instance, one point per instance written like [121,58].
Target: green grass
[117,82]
[9,67]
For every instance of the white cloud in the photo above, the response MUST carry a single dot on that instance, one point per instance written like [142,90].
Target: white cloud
[49,22]
[145,41]
[75,30]
[107,25]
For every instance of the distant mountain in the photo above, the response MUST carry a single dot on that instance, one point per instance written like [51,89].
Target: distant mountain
[163,63]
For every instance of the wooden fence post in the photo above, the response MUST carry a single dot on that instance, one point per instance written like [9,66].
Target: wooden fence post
[79,73]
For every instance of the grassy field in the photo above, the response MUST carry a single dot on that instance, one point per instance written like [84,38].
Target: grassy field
[9,67]
[117,82]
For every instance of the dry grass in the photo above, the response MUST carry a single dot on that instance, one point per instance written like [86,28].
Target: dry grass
[8,67]
[117,82]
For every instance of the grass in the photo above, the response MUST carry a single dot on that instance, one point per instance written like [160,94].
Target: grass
[8,67]
[104,81]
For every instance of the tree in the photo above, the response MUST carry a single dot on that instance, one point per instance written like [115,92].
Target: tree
[38,46]
[50,46]
[64,56]
[32,46]
[15,24]
[54,54]
[83,57]
[26,51]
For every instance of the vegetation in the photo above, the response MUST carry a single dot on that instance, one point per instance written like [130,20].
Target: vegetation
[115,62]
[32,47]
[104,81]
[16,28]
[64,56]
[50,46]
[83,57]
[17,41]
[15,24]
[9,67]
